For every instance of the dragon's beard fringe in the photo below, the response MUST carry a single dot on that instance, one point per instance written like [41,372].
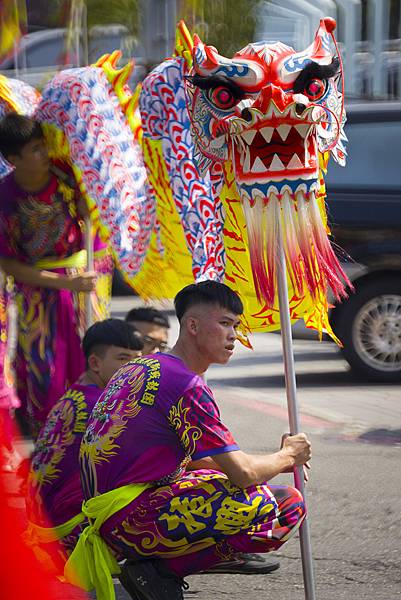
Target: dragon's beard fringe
[312,265]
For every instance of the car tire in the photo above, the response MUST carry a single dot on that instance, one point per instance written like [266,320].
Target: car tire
[369,326]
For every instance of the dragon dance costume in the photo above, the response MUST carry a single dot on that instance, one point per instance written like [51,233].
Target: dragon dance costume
[152,420]
[42,229]
[8,397]
[54,492]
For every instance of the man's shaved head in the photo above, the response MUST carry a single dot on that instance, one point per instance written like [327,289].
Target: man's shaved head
[207,293]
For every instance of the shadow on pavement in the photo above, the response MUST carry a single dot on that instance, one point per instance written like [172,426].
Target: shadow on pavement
[381,436]
[304,380]
[277,358]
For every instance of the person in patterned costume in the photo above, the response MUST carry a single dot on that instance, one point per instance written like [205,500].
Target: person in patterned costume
[54,493]
[42,247]
[8,398]
[166,485]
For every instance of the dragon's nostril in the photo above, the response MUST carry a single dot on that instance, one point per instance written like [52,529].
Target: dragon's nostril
[246,114]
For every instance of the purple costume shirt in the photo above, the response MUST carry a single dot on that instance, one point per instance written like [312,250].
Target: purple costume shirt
[154,417]
[54,485]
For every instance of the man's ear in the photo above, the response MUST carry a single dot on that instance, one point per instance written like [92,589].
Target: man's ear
[192,325]
[94,363]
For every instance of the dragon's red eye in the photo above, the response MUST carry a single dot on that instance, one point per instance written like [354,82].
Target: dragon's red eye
[222,97]
[315,89]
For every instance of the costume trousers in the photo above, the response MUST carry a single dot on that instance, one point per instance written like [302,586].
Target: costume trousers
[202,519]
[51,324]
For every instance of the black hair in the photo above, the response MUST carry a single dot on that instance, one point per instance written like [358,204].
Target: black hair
[110,332]
[16,131]
[214,81]
[207,292]
[315,71]
[148,314]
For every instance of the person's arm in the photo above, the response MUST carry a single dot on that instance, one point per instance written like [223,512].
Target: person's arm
[203,463]
[244,469]
[85,282]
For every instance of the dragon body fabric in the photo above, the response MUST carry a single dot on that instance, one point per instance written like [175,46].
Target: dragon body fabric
[195,175]
[89,122]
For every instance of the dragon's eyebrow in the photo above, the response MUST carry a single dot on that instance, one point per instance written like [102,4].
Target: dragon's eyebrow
[213,81]
[315,71]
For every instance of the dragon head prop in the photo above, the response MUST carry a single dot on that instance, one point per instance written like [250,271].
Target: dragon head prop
[268,97]
[275,115]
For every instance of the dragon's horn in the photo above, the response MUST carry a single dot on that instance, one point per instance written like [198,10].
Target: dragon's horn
[319,51]
[207,61]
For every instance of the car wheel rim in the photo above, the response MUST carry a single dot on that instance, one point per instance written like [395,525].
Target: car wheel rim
[377,333]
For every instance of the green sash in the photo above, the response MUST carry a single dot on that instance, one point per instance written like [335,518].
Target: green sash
[91,564]
[44,535]
[36,537]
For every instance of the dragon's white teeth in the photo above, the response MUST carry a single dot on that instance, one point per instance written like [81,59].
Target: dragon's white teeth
[295,163]
[307,154]
[241,146]
[303,129]
[258,166]
[249,136]
[267,133]
[247,162]
[276,164]
[284,131]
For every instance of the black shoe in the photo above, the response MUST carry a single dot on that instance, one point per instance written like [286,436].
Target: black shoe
[151,580]
[246,564]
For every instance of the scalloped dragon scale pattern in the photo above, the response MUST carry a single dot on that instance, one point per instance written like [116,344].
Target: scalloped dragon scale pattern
[94,129]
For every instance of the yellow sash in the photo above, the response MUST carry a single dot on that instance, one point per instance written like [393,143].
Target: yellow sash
[91,563]
[75,261]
